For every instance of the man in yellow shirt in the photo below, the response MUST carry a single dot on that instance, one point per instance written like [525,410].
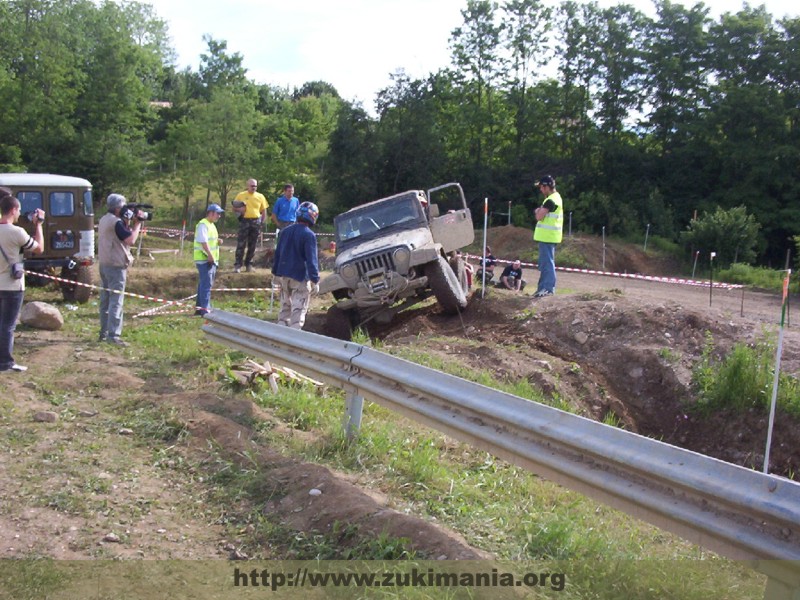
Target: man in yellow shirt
[252,208]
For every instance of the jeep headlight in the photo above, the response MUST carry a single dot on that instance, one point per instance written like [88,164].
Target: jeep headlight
[402,258]
[349,272]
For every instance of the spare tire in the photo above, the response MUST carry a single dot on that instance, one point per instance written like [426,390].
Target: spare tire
[445,285]
[73,292]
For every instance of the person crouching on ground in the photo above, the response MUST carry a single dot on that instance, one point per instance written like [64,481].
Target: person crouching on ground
[206,256]
[296,266]
[511,279]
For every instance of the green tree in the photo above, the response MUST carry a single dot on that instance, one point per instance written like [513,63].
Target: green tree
[226,128]
[112,113]
[677,54]
[185,154]
[475,48]
[80,76]
[619,79]
[294,135]
[579,28]
[732,234]
[409,136]
[350,173]
[620,68]
[220,70]
[315,88]
[41,55]
[527,23]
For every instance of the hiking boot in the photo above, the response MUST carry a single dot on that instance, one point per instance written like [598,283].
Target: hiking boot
[249,269]
[237,269]
[542,293]
[18,368]
[117,342]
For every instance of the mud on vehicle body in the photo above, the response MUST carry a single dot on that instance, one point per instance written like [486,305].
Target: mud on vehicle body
[68,228]
[393,252]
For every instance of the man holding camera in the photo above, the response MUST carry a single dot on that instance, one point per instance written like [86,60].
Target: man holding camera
[117,231]
[14,240]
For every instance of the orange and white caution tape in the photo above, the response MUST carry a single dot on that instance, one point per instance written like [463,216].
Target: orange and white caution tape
[180,304]
[673,280]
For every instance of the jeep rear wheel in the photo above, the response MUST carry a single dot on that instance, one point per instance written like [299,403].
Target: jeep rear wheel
[73,292]
[339,322]
[445,285]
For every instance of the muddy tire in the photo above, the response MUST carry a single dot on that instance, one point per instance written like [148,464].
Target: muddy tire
[339,322]
[460,269]
[77,293]
[446,287]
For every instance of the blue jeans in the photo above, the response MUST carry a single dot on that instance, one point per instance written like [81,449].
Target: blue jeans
[113,278]
[10,304]
[547,267]
[206,273]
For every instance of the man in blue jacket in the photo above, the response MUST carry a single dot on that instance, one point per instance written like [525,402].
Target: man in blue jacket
[296,267]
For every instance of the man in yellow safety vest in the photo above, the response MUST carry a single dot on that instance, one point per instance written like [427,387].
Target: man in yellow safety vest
[206,257]
[548,232]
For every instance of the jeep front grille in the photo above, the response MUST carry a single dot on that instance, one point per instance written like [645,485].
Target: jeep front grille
[383,262]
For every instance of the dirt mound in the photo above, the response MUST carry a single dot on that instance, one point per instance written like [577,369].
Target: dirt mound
[510,242]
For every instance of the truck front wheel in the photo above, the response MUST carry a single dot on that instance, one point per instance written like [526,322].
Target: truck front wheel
[445,285]
[339,322]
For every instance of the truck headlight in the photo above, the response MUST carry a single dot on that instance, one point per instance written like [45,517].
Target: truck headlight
[349,272]
[402,258]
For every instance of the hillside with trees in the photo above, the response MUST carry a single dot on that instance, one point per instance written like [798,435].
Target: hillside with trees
[680,123]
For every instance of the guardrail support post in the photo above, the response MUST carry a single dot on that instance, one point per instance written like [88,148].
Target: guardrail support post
[353,409]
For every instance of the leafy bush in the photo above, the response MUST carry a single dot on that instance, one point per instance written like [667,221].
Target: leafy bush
[760,277]
[732,234]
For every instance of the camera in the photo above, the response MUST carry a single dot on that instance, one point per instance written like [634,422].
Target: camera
[35,216]
[137,212]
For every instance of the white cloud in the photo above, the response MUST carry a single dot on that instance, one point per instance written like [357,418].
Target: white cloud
[352,44]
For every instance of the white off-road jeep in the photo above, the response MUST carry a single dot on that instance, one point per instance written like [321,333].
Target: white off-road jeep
[393,252]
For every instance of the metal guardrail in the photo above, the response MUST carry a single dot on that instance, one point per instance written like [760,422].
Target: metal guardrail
[737,512]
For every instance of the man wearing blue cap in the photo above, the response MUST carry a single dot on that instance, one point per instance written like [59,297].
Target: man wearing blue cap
[206,257]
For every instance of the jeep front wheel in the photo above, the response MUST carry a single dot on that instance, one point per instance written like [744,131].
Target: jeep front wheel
[73,292]
[445,285]
[339,322]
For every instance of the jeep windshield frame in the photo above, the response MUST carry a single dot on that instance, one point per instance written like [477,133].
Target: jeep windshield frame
[376,219]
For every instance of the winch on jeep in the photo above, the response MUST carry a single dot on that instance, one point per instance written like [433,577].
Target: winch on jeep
[396,251]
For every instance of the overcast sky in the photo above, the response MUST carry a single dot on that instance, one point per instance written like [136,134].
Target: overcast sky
[352,44]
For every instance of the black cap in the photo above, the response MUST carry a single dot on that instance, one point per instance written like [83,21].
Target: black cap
[547,180]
